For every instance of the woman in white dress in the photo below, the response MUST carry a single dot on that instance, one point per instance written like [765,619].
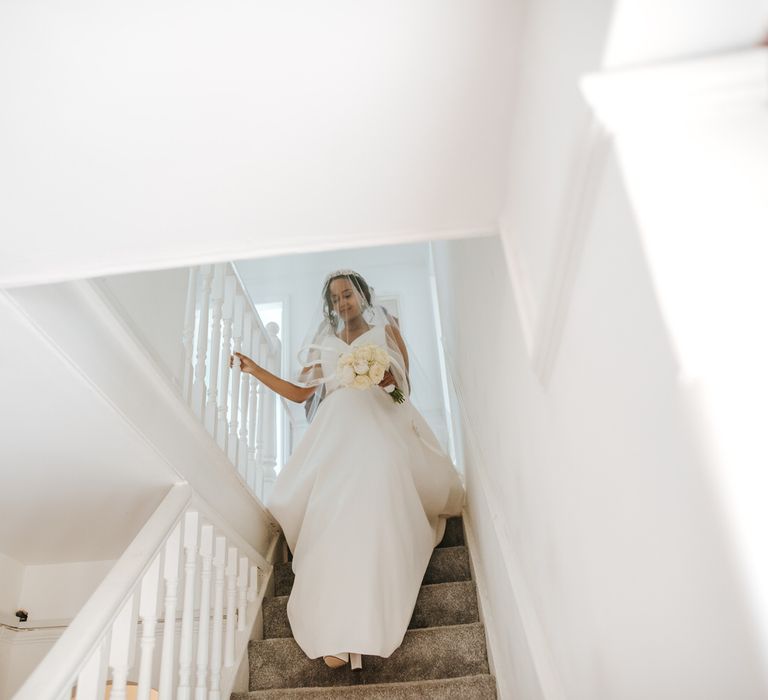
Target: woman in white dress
[364,497]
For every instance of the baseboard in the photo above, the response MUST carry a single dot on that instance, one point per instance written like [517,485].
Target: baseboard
[484,608]
[532,632]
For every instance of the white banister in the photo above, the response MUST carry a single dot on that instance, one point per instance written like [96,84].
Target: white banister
[148,617]
[245,386]
[188,610]
[215,349]
[242,593]
[206,554]
[226,340]
[237,343]
[121,648]
[219,562]
[189,333]
[84,639]
[252,467]
[234,407]
[269,457]
[261,423]
[171,580]
[91,681]
[113,637]
[229,640]
[198,390]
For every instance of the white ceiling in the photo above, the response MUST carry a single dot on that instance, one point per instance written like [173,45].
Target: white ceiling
[77,481]
[148,135]
[145,135]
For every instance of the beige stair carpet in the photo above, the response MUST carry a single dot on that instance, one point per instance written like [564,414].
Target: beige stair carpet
[443,655]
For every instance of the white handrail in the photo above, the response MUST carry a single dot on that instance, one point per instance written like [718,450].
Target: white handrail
[220,319]
[273,346]
[58,672]
[113,636]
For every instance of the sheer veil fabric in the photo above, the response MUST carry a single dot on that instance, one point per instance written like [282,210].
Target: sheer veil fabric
[347,315]
[364,497]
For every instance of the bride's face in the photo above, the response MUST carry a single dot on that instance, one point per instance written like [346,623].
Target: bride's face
[345,299]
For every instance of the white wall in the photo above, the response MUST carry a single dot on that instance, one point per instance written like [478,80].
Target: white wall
[58,591]
[11,579]
[52,594]
[607,506]
[400,271]
[153,304]
[615,546]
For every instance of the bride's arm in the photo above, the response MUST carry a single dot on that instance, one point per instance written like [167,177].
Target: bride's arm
[290,391]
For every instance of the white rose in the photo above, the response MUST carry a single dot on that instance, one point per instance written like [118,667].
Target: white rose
[361,367]
[382,357]
[347,375]
[362,382]
[376,374]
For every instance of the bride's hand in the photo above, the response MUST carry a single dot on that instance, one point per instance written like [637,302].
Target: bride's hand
[246,363]
[388,379]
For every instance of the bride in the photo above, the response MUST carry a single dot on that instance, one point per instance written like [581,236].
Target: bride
[364,497]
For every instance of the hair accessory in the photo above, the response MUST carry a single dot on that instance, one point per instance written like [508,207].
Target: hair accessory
[343,271]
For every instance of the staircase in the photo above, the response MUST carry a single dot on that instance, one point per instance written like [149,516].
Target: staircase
[443,654]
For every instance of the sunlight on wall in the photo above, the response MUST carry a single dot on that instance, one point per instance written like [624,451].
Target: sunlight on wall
[692,145]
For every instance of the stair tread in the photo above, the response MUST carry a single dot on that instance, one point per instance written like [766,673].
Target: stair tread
[474,687]
[425,654]
[437,604]
[446,564]
[453,536]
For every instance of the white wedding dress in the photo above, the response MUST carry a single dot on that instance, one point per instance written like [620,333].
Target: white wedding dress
[362,502]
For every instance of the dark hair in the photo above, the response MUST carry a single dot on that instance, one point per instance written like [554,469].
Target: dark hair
[357,281]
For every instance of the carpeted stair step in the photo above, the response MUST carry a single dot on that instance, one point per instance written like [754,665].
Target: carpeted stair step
[453,603]
[425,654]
[447,564]
[454,533]
[478,687]
[453,537]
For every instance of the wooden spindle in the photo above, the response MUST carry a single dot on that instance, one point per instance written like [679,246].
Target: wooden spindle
[215,352]
[206,558]
[226,339]
[269,455]
[252,473]
[229,635]
[198,390]
[261,416]
[187,618]
[148,616]
[121,647]
[242,593]
[253,591]
[245,386]
[171,577]
[189,333]
[237,338]
[219,563]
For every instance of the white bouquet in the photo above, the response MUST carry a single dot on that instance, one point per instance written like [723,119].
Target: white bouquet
[364,367]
